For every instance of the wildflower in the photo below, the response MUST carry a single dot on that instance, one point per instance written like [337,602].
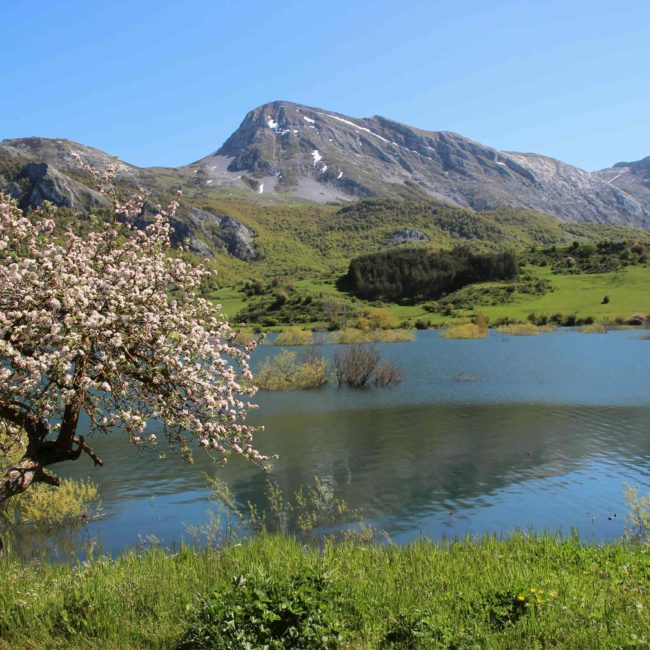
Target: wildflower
[533,590]
[521,598]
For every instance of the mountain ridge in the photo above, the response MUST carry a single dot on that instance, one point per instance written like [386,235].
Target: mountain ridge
[286,152]
[312,154]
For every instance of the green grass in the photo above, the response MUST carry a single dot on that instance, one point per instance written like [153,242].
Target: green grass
[232,300]
[628,291]
[462,594]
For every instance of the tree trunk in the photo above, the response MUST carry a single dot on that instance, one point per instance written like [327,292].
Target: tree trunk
[21,475]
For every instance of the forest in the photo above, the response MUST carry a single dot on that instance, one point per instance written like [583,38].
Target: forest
[412,275]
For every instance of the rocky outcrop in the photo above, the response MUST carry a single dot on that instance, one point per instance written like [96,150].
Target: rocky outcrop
[204,232]
[46,183]
[407,236]
[631,177]
[237,238]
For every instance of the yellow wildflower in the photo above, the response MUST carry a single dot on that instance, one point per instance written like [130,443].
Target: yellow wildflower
[533,590]
[521,598]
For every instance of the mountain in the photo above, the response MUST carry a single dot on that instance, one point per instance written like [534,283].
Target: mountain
[631,177]
[312,154]
[288,155]
[33,170]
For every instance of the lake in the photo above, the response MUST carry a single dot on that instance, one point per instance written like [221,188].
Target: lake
[482,436]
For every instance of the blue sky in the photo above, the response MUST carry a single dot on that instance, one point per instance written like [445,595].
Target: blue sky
[165,83]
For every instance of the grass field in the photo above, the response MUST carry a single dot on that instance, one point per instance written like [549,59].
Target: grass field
[628,292]
[520,592]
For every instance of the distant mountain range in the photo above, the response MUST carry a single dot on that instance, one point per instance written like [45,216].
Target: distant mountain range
[289,153]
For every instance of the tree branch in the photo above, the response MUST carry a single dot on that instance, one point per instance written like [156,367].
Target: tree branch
[82,446]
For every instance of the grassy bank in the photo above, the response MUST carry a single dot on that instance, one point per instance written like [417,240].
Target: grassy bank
[523,592]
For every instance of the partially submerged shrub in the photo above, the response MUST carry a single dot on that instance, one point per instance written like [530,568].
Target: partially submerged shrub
[44,506]
[246,335]
[386,374]
[636,319]
[47,507]
[373,320]
[595,328]
[351,335]
[360,365]
[466,331]
[519,329]
[287,371]
[294,336]
[638,515]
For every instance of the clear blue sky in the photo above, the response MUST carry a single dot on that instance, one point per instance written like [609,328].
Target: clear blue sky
[165,83]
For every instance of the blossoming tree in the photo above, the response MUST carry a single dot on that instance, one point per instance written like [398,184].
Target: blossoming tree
[108,330]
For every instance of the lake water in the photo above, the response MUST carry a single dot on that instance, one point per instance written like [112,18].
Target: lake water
[482,436]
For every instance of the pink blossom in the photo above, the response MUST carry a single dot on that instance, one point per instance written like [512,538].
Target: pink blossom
[86,324]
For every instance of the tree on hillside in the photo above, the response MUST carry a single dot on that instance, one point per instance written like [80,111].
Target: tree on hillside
[110,327]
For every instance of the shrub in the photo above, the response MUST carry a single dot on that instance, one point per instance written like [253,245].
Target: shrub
[638,517]
[373,320]
[465,331]
[386,374]
[520,329]
[294,336]
[46,507]
[281,298]
[359,365]
[286,372]
[350,336]
[355,365]
[636,319]
[305,611]
[246,335]
[594,328]
[482,321]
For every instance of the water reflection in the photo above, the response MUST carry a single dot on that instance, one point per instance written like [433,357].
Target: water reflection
[544,435]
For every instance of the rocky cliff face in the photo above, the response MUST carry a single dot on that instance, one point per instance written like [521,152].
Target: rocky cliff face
[314,154]
[631,177]
[34,170]
[203,231]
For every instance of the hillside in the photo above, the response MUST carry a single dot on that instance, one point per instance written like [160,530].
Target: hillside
[297,192]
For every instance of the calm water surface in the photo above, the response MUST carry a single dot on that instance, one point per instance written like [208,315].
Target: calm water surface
[482,436]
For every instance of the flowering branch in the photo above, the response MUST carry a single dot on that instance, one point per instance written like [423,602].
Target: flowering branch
[110,325]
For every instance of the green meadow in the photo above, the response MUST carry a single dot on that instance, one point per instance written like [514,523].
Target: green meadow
[273,592]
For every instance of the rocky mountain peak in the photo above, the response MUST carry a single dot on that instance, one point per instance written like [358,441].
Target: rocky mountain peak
[290,152]
[303,152]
